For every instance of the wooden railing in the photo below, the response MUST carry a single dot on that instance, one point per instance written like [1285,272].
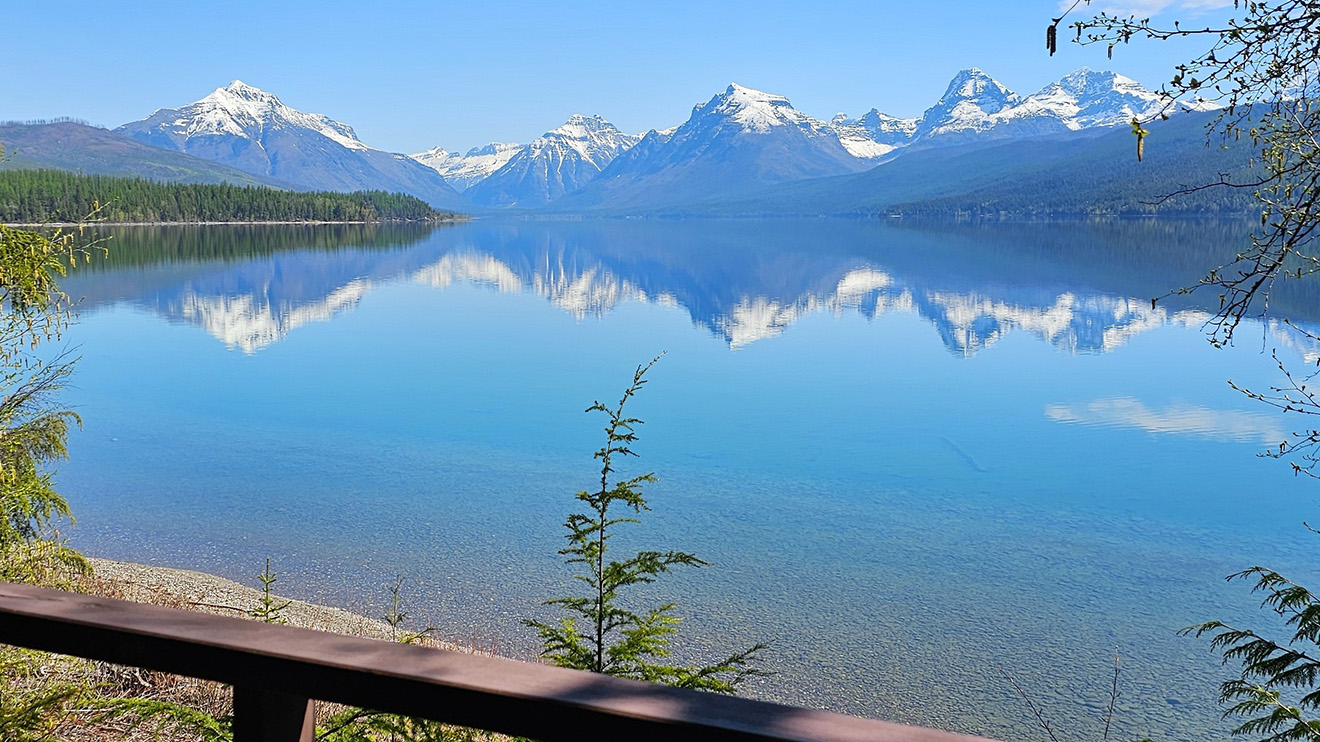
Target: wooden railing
[277,671]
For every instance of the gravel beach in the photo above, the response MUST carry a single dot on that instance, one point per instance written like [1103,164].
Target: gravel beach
[204,592]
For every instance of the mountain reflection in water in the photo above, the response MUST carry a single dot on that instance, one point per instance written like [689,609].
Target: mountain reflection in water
[1081,287]
[906,510]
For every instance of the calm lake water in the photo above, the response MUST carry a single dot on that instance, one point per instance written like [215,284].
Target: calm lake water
[912,455]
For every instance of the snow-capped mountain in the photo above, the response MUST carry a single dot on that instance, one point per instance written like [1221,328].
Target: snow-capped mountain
[739,140]
[967,106]
[1089,98]
[240,110]
[252,130]
[977,107]
[752,111]
[464,171]
[873,135]
[557,162]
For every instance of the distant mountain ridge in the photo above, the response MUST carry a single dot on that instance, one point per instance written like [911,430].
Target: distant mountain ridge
[1089,98]
[463,171]
[745,140]
[873,135]
[741,151]
[558,162]
[252,130]
[1074,174]
[977,105]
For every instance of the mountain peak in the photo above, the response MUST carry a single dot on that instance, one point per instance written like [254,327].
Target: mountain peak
[974,84]
[243,111]
[239,98]
[1087,98]
[745,96]
[243,91]
[740,139]
[252,130]
[558,161]
[755,110]
[1089,80]
[1084,74]
[494,148]
[968,75]
[584,133]
[580,126]
[873,135]
[967,105]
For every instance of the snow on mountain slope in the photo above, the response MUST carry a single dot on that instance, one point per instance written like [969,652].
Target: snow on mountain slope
[873,135]
[976,106]
[757,112]
[593,138]
[252,130]
[557,162]
[1089,98]
[464,171]
[967,105]
[240,110]
[739,140]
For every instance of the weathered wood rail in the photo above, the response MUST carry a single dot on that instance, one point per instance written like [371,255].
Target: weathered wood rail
[277,671]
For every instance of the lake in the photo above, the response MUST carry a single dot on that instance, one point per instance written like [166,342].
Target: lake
[914,455]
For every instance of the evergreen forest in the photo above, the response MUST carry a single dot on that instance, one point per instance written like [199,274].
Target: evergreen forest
[49,196]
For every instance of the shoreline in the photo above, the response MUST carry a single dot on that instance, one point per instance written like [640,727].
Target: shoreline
[30,225]
[208,593]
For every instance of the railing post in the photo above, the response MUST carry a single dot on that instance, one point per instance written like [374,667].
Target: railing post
[263,716]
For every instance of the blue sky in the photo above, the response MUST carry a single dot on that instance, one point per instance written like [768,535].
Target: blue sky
[413,75]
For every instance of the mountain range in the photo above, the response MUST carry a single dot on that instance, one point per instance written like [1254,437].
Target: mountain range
[743,151]
[740,140]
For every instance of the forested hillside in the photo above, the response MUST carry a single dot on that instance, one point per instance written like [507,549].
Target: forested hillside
[1103,177]
[80,148]
[1081,174]
[38,196]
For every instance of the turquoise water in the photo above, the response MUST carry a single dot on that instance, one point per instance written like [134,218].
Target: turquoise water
[912,455]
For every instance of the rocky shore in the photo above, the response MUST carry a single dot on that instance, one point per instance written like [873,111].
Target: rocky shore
[208,593]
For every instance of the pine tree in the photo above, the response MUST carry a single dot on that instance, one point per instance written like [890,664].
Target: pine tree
[599,634]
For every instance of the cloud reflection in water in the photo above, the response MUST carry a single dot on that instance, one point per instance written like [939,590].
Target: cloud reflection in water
[1176,419]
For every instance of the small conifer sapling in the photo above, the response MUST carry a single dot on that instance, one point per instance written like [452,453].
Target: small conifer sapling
[598,633]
